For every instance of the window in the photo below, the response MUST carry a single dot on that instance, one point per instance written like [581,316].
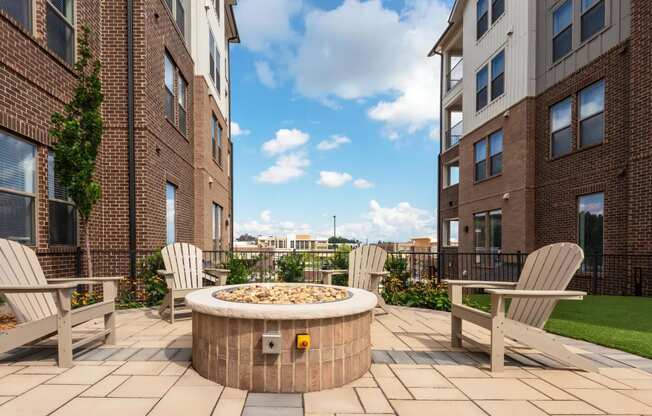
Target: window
[560,128]
[217,225]
[487,231]
[482,18]
[592,114]
[217,69]
[20,10]
[452,175]
[562,30]
[480,150]
[498,75]
[592,17]
[496,153]
[214,126]
[216,5]
[481,88]
[211,52]
[451,233]
[169,3]
[17,189]
[62,213]
[183,87]
[169,88]
[497,9]
[170,213]
[219,144]
[61,29]
[180,15]
[591,221]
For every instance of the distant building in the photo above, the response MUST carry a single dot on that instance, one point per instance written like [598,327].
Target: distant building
[292,242]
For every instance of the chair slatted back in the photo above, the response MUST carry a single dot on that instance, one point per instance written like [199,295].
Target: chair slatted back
[362,261]
[549,268]
[19,266]
[185,261]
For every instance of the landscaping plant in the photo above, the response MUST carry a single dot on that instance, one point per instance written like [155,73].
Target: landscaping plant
[239,270]
[291,267]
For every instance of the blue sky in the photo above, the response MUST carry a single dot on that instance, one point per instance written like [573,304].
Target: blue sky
[336,111]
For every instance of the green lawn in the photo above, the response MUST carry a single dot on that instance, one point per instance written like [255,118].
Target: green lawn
[621,322]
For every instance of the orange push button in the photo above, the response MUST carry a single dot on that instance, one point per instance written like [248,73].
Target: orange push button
[303,341]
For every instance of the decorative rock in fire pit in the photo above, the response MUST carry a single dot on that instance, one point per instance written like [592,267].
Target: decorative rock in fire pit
[281,337]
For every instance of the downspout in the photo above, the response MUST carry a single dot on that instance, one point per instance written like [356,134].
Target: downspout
[439,182]
[131,138]
[232,226]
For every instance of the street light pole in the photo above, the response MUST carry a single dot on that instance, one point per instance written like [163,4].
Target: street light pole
[334,226]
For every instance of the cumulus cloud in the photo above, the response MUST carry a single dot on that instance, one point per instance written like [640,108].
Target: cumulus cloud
[266,215]
[285,139]
[270,228]
[362,184]
[385,54]
[333,179]
[263,23]
[265,74]
[333,142]
[236,130]
[286,168]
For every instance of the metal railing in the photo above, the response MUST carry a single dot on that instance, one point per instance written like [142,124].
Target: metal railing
[455,75]
[453,135]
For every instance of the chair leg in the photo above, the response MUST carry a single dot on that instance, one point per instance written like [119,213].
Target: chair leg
[497,333]
[171,306]
[455,295]
[64,334]
[109,325]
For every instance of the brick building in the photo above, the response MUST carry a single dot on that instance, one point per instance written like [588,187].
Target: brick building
[159,74]
[545,126]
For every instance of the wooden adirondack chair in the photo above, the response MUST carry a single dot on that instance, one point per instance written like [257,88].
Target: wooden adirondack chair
[184,273]
[541,285]
[43,307]
[366,268]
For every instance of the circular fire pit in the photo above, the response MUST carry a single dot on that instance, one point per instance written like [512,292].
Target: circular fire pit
[281,337]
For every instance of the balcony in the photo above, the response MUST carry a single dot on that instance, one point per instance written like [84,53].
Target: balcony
[455,74]
[453,135]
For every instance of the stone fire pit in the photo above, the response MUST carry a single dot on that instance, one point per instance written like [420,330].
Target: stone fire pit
[245,336]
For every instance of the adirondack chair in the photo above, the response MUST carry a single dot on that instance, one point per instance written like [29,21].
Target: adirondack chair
[366,268]
[43,306]
[541,285]
[184,273]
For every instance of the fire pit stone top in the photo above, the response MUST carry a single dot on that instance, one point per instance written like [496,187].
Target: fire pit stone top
[273,301]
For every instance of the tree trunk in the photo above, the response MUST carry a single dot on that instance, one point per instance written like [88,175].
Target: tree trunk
[87,249]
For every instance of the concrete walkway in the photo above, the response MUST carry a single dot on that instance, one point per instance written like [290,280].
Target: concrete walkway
[415,372]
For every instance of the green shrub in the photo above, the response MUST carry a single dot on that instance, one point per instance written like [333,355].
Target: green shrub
[155,286]
[340,261]
[239,270]
[418,295]
[291,267]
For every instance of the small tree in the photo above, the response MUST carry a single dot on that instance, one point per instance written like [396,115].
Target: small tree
[79,132]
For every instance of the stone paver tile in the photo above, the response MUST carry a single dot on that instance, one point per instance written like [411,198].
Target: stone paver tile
[41,400]
[644,396]
[87,374]
[184,354]
[340,400]
[5,370]
[565,379]
[496,389]
[164,354]
[509,408]
[231,393]
[429,407]
[400,357]
[15,384]
[374,401]
[4,399]
[105,386]
[362,382]
[625,373]
[605,381]
[350,414]
[144,386]
[123,354]
[42,369]
[273,400]
[421,377]
[548,389]
[194,400]
[141,368]
[97,354]
[441,358]
[229,407]
[461,357]
[192,378]
[175,368]
[272,411]
[612,401]
[106,407]
[429,393]
[460,371]
[510,372]
[421,357]
[393,388]
[567,407]
[642,384]
[144,354]
[381,370]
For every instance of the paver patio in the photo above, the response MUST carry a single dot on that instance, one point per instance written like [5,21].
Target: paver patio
[415,372]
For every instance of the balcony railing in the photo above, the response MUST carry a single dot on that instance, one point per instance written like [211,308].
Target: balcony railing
[455,75]
[453,135]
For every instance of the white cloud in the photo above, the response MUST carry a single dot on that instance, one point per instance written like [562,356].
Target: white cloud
[265,74]
[263,22]
[266,215]
[285,140]
[333,179]
[286,168]
[333,142]
[271,228]
[385,53]
[236,130]
[362,184]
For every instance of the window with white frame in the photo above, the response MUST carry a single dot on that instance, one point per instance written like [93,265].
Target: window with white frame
[497,9]
[62,213]
[562,30]
[498,75]
[60,28]
[182,100]
[451,232]
[452,173]
[217,7]
[482,88]
[487,231]
[211,53]
[17,189]
[169,88]
[170,213]
[180,16]
[482,18]
[488,156]
[591,223]
[560,128]
[20,11]
[592,114]
[217,224]
[592,20]
[219,144]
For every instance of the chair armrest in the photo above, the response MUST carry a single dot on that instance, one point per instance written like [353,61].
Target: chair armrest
[37,288]
[86,280]
[379,274]
[479,284]
[552,294]
[168,276]
[220,274]
[334,271]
